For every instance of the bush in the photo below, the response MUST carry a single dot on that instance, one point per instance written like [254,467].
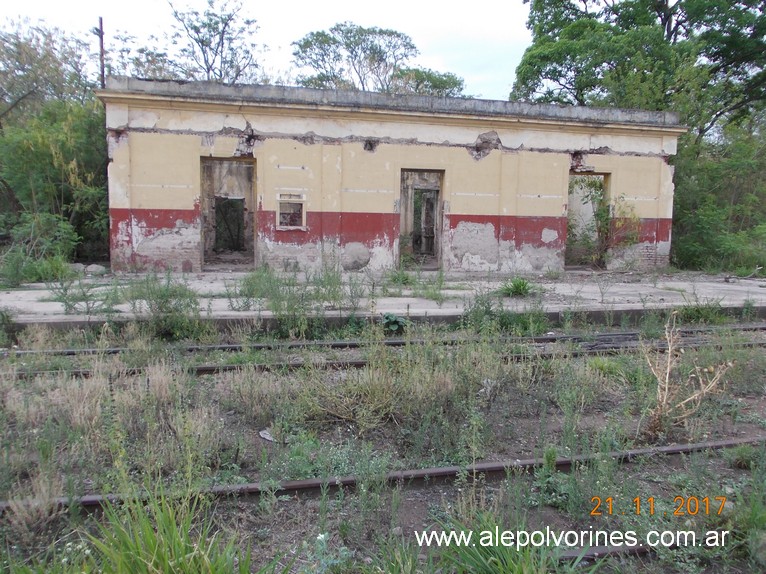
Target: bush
[516,287]
[41,246]
[157,536]
[172,308]
[43,235]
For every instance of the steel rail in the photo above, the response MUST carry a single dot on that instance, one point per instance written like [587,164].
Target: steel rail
[419,475]
[388,342]
[212,369]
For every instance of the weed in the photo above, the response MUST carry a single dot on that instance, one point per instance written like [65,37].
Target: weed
[530,322]
[553,274]
[745,456]
[322,559]
[749,312]
[393,324]
[170,306]
[33,511]
[481,313]
[327,285]
[7,331]
[516,287]
[80,296]
[679,397]
[356,292]
[400,557]
[489,556]
[707,311]
[400,277]
[158,534]
[430,289]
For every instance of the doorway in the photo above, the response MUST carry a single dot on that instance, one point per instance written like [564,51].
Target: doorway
[228,216]
[589,220]
[420,218]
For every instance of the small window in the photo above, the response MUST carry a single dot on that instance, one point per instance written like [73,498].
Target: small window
[291,210]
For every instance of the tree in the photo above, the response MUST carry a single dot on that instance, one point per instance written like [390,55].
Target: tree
[424,81]
[151,61]
[703,58]
[348,56]
[39,64]
[52,139]
[582,49]
[215,44]
[733,37]
[351,57]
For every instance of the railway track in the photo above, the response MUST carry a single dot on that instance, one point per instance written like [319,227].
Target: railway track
[536,348]
[590,339]
[419,476]
[545,347]
[428,476]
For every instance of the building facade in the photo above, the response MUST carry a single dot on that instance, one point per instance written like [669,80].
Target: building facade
[296,178]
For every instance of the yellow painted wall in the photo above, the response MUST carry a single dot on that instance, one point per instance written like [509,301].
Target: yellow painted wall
[635,182]
[161,170]
[543,184]
[164,171]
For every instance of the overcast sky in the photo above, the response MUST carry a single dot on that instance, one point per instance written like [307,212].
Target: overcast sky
[480,42]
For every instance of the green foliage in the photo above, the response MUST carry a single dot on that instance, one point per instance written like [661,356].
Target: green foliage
[400,277]
[393,324]
[702,58]
[478,558]
[41,245]
[427,82]
[38,64]
[6,328]
[160,534]
[721,200]
[80,296]
[170,306]
[55,164]
[41,235]
[215,44]
[348,56]
[351,57]
[516,287]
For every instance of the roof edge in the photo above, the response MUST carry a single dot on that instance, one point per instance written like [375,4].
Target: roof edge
[268,94]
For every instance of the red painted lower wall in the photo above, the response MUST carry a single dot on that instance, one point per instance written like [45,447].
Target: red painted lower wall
[367,228]
[129,228]
[522,230]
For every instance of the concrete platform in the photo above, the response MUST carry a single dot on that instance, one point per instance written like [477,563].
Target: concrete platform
[568,292]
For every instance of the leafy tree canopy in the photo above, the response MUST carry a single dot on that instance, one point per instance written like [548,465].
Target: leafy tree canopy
[643,53]
[39,64]
[351,57]
[214,45]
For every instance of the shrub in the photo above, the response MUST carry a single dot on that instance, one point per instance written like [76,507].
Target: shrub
[516,287]
[156,535]
[394,324]
[172,308]
[41,245]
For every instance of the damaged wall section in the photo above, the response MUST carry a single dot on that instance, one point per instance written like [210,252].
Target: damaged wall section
[300,178]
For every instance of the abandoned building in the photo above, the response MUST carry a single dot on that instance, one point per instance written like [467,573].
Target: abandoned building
[201,173]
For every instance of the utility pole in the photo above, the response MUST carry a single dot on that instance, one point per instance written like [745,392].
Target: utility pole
[100,33]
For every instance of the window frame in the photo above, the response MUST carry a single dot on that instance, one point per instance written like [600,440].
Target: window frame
[291,198]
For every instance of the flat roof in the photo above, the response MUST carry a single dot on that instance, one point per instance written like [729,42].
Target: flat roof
[347,99]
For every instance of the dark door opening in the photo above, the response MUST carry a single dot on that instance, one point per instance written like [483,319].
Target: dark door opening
[228,213]
[229,224]
[424,225]
[420,218]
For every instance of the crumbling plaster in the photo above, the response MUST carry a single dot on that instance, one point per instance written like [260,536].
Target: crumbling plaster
[506,168]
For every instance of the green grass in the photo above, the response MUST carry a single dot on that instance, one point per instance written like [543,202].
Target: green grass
[516,287]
